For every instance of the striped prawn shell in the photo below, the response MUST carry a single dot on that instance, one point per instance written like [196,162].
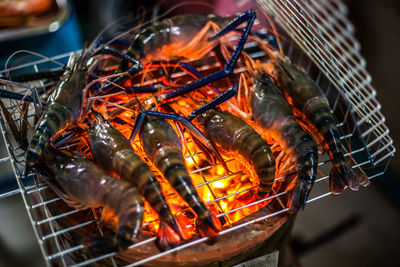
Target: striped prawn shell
[87,185]
[63,107]
[233,135]
[309,99]
[54,118]
[114,152]
[162,145]
[318,111]
[273,113]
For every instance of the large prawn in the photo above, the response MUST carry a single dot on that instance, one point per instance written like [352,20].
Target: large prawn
[307,97]
[63,107]
[163,147]
[176,36]
[272,112]
[232,135]
[82,184]
[310,102]
[114,152]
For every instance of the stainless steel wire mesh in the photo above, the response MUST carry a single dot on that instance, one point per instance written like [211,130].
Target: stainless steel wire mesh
[333,62]
[322,30]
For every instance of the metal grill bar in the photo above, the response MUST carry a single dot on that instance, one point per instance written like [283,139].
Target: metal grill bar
[10,193]
[68,229]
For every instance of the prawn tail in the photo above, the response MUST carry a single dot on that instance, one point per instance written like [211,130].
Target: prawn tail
[167,237]
[105,244]
[209,226]
[356,178]
[337,182]
[349,177]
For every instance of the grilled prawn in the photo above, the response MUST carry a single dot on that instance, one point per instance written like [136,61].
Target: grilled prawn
[63,107]
[272,112]
[309,99]
[232,135]
[177,32]
[163,147]
[114,152]
[85,185]
[65,104]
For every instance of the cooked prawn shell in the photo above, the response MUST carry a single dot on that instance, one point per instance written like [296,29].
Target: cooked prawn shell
[232,135]
[114,153]
[307,97]
[83,184]
[163,147]
[272,112]
[63,107]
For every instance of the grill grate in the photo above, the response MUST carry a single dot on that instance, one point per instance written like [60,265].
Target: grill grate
[322,30]
[343,79]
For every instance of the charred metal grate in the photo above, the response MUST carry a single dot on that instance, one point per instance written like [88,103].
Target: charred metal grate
[364,136]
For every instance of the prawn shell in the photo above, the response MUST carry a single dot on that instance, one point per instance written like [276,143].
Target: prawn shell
[162,146]
[63,107]
[54,119]
[175,32]
[234,136]
[87,185]
[309,99]
[113,151]
[273,113]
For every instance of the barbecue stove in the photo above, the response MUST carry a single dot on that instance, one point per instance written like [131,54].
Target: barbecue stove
[319,39]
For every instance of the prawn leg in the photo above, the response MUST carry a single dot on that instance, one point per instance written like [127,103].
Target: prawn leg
[64,139]
[136,67]
[216,101]
[196,74]
[27,77]
[247,16]
[16,96]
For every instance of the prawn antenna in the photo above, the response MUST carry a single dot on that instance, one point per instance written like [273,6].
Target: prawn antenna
[31,53]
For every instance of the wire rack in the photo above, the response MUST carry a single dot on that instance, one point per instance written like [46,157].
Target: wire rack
[311,47]
[321,29]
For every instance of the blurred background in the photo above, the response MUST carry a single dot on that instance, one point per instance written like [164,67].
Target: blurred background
[353,229]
